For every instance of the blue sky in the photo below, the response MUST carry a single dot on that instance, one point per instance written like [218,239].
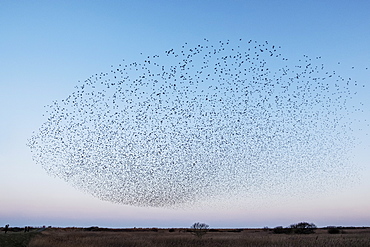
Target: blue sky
[47,47]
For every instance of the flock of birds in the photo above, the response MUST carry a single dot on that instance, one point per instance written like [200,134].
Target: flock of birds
[199,122]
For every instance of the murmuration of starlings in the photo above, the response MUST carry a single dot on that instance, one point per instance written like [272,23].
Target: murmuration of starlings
[197,122]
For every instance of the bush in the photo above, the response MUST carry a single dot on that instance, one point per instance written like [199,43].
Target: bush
[92,228]
[281,230]
[303,228]
[333,230]
[199,229]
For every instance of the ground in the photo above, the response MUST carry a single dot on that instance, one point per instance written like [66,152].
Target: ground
[96,237]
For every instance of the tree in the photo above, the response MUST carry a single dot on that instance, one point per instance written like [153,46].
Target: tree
[303,228]
[199,229]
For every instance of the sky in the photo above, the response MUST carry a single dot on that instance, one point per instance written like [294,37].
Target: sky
[49,47]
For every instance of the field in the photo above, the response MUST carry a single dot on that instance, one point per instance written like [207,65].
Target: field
[98,237]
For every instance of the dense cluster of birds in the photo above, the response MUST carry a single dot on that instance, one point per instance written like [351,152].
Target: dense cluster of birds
[201,121]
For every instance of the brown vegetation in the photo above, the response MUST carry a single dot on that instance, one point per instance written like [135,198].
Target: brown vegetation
[97,237]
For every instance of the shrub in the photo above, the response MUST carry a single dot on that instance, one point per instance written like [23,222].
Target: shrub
[303,228]
[281,230]
[333,230]
[235,230]
[213,230]
[92,228]
[199,229]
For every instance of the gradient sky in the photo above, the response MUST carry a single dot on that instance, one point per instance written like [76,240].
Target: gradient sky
[46,47]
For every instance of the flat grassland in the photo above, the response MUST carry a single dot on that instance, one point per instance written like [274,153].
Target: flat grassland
[79,237]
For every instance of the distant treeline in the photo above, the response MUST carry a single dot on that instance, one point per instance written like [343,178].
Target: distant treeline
[154,229]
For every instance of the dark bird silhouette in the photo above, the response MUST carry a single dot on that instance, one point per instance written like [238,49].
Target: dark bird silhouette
[199,122]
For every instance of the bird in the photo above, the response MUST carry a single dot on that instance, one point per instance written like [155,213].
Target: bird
[189,124]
